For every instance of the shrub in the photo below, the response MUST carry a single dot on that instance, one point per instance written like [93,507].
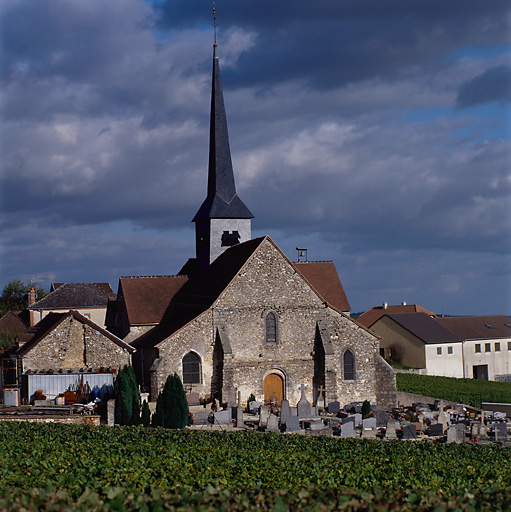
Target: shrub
[171,405]
[127,409]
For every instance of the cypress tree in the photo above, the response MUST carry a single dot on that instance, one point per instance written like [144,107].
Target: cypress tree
[366,409]
[146,414]
[121,409]
[171,405]
[126,384]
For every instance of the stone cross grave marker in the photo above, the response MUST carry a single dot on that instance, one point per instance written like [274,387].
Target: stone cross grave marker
[304,406]
[321,400]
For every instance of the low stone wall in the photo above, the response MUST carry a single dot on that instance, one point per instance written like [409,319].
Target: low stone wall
[408,399]
[75,419]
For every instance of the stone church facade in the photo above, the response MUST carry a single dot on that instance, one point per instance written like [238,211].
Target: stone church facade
[267,333]
[247,320]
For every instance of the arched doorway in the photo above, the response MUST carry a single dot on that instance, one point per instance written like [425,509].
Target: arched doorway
[273,389]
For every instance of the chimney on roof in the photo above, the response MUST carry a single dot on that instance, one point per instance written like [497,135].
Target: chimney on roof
[385,305]
[403,303]
[31,296]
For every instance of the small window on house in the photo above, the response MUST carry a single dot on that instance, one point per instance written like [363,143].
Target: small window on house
[439,351]
[382,352]
[490,326]
[497,347]
[449,350]
[478,347]
[509,345]
[348,365]
[271,328]
[487,347]
[508,325]
[191,369]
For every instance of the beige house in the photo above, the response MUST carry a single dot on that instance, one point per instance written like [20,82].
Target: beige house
[89,299]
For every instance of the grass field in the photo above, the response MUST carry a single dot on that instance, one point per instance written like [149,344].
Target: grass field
[65,467]
[466,391]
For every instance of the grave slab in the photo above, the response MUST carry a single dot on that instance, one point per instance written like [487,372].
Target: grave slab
[293,424]
[409,432]
[223,417]
[334,407]
[273,423]
[285,411]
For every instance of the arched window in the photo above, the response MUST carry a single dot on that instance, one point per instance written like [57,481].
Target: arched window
[348,365]
[271,328]
[191,369]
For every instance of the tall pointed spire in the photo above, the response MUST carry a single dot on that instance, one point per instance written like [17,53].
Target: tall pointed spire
[223,219]
[222,202]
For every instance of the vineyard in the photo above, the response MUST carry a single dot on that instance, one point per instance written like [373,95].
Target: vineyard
[66,467]
[466,391]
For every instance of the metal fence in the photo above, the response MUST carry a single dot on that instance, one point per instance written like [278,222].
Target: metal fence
[53,385]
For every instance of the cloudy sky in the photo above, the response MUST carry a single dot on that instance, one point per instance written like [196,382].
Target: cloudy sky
[375,134]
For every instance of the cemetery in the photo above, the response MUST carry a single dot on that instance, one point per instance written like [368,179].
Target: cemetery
[440,421]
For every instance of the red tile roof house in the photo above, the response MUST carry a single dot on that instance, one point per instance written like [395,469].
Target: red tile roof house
[60,350]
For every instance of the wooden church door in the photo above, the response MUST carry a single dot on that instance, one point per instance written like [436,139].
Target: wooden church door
[273,389]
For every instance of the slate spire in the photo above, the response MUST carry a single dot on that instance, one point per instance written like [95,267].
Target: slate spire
[222,202]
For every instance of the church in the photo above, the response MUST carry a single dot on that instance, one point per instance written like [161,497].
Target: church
[240,317]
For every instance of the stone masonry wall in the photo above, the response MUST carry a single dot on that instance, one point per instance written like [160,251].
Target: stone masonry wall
[72,346]
[269,283]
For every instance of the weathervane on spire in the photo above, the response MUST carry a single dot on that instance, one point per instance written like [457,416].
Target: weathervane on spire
[214,20]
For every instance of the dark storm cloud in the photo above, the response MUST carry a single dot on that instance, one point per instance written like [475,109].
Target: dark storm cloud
[342,130]
[331,43]
[492,85]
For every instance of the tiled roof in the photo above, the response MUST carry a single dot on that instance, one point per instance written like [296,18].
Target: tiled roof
[323,277]
[75,296]
[476,327]
[13,321]
[372,315]
[147,298]
[52,320]
[424,327]
[199,293]
[104,286]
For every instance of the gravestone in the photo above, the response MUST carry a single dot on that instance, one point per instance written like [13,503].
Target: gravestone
[334,407]
[254,406]
[500,431]
[381,418]
[293,411]
[349,419]
[303,406]
[316,425]
[231,397]
[200,417]
[358,419]
[285,412]
[348,429]
[455,434]
[369,423]
[223,417]
[418,425]
[264,412]
[273,423]
[483,431]
[409,432]
[436,430]
[293,424]
[193,399]
[443,419]
[390,432]
[239,413]
[369,434]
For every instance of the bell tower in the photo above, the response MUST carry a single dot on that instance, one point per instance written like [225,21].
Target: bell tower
[223,220]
